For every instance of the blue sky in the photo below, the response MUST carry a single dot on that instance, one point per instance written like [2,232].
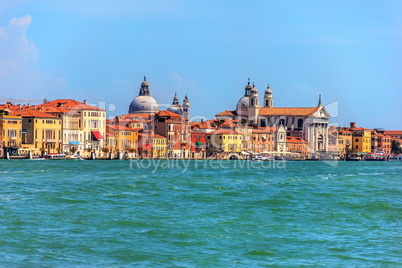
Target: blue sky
[350,52]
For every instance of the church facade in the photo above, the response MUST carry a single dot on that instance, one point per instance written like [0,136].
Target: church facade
[308,123]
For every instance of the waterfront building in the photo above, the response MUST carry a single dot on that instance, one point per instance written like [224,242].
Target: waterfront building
[361,139]
[223,141]
[83,125]
[177,131]
[125,139]
[111,141]
[198,145]
[151,145]
[308,123]
[42,131]
[246,136]
[297,145]
[10,132]
[345,143]
[263,140]
[384,143]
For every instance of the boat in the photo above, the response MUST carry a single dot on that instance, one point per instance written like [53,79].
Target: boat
[396,158]
[375,157]
[259,158]
[55,156]
[75,156]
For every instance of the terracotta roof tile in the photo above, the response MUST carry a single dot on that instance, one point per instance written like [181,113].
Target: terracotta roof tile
[225,113]
[225,131]
[302,111]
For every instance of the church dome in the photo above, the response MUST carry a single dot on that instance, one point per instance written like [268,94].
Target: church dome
[243,103]
[143,105]
[175,108]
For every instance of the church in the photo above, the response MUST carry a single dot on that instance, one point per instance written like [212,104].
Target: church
[144,103]
[308,123]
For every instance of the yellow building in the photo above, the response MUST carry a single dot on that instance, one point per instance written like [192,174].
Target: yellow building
[361,140]
[110,141]
[224,140]
[125,139]
[159,146]
[83,125]
[10,131]
[42,131]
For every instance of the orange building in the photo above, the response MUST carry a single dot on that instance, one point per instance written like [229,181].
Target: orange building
[263,139]
[297,145]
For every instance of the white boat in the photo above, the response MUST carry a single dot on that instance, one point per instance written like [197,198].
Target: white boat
[259,158]
[75,156]
[55,156]
[396,158]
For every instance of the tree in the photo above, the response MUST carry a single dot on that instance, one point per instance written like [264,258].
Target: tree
[396,147]
[73,150]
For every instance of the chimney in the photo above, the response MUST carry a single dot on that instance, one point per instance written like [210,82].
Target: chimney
[68,107]
[202,120]
[85,101]
[352,125]
[40,108]
[19,106]
[34,107]
[45,101]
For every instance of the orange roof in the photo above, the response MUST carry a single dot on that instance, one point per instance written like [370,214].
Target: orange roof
[225,131]
[68,104]
[168,113]
[227,112]
[138,116]
[264,130]
[288,111]
[31,112]
[295,140]
[160,136]
[393,132]
[359,129]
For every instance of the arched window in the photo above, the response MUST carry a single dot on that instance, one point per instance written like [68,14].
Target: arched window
[252,102]
[282,122]
[262,123]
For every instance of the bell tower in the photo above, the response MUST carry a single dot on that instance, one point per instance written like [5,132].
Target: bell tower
[186,108]
[268,99]
[254,106]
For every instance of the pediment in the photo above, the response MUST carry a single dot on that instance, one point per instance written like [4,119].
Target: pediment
[322,113]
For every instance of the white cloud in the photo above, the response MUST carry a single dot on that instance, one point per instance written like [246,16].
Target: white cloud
[18,76]
[21,22]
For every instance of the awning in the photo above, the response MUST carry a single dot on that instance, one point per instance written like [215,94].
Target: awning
[97,135]
[75,142]
[198,143]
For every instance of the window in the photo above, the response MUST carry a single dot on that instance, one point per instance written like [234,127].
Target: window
[300,123]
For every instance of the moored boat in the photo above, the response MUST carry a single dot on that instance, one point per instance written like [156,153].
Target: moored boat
[396,158]
[55,156]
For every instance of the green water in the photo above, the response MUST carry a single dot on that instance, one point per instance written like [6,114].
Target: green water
[69,213]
